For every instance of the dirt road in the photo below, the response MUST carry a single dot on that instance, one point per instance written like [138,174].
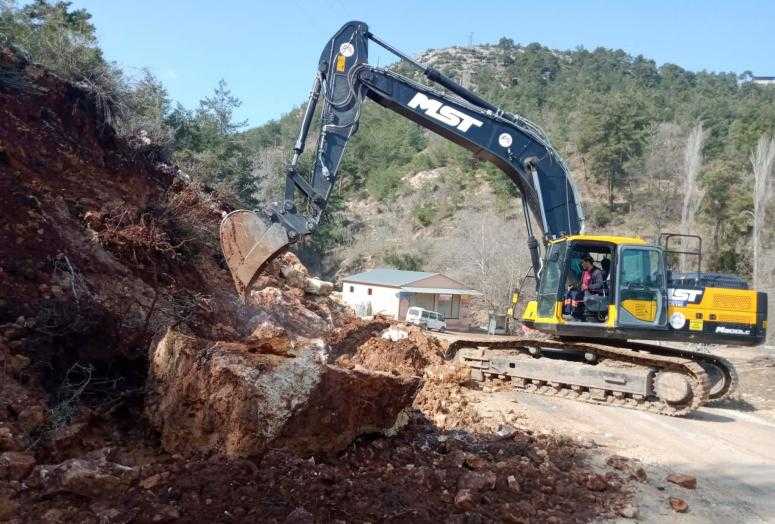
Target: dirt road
[728,448]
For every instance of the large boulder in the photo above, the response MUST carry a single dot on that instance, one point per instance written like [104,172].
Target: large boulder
[242,398]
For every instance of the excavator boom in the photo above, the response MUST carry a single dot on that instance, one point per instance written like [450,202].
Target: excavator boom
[343,81]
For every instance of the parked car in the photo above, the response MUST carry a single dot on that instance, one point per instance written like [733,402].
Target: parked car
[426,319]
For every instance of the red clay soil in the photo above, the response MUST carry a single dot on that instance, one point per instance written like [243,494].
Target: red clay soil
[99,245]
[354,332]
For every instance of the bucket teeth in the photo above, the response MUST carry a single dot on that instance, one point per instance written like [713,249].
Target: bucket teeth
[248,244]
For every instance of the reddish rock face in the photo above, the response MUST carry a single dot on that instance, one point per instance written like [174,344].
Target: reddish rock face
[408,356]
[243,398]
[7,440]
[464,500]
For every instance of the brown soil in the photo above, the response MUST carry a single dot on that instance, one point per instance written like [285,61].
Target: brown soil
[421,475]
[101,250]
[408,356]
[353,333]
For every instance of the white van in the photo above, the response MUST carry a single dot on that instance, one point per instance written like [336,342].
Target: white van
[426,319]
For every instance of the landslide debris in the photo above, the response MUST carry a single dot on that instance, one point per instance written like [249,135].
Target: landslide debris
[240,398]
[133,383]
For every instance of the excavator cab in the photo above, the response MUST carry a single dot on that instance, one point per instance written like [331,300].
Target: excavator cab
[641,298]
[630,290]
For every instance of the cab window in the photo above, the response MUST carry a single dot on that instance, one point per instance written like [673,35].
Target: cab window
[550,279]
[641,268]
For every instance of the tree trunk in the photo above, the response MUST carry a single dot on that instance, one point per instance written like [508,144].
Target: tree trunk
[762,160]
[611,191]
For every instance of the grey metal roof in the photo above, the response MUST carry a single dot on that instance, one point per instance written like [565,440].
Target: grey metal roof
[439,290]
[383,276]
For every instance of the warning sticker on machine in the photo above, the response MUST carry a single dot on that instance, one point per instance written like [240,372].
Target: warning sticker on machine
[340,63]
[695,325]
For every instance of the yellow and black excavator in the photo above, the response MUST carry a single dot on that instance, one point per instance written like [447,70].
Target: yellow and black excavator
[591,354]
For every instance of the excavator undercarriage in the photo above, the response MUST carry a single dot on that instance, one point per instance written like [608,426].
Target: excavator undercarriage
[648,377]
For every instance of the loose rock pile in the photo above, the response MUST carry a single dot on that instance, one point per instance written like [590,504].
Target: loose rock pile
[274,388]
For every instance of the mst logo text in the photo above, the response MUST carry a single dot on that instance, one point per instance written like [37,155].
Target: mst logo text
[445,114]
[684,295]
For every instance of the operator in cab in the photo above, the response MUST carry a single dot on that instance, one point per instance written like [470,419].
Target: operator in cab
[592,280]
[592,277]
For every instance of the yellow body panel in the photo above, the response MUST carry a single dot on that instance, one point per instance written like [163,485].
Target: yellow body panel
[613,239]
[731,306]
[722,314]
[530,314]
[530,311]
[645,310]
[697,315]
[612,315]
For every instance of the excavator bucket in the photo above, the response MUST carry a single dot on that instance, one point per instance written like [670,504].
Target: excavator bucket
[249,243]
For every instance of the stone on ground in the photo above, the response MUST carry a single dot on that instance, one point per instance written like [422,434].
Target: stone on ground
[685,481]
[679,505]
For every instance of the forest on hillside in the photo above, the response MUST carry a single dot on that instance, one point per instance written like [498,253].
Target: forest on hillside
[652,147]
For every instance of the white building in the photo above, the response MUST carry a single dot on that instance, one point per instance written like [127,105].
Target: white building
[763,80]
[392,292]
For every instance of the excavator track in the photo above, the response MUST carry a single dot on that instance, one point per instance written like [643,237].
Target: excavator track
[721,372]
[633,378]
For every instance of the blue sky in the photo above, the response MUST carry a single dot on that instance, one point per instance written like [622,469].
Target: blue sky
[267,51]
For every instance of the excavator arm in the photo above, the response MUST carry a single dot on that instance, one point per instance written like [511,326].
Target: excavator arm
[342,83]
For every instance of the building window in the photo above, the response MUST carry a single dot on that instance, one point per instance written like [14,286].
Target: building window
[369,291]
[352,289]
